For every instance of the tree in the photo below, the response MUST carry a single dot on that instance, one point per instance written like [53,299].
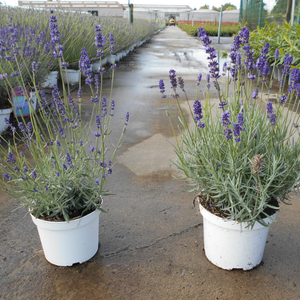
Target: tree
[229,6]
[216,9]
[204,7]
[281,6]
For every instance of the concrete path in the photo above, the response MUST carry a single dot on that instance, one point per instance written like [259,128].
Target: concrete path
[151,238]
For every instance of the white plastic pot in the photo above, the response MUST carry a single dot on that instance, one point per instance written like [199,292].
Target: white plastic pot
[71,76]
[111,59]
[67,243]
[4,113]
[96,64]
[50,80]
[230,245]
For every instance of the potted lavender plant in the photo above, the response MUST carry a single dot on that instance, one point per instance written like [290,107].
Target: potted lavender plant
[241,153]
[61,175]
[15,75]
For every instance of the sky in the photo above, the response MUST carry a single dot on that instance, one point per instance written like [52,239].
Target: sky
[192,3]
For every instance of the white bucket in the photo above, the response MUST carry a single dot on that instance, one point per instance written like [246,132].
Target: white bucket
[123,54]
[4,113]
[229,245]
[67,243]
[96,65]
[50,80]
[111,59]
[71,76]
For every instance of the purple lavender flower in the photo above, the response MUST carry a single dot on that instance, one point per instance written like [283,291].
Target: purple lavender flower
[34,174]
[272,119]
[213,63]
[276,53]
[97,83]
[225,118]
[97,133]
[104,107]
[199,78]
[7,176]
[161,85]
[207,81]
[29,127]
[79,93]
[64,166]
[100,41]
[69,159]
[238,64]
[255,94]
[112,107]
[97,181]
[173,81]
[11,158]
[92,148]
[261,64]
[244,35]
[295,76]
[57,174]
[219,165]
[222,105]
[288,59]
[111,40]
[181,83]
[236,132]
[35,190]
[224,68]
[85,64]
[228,133]
[298,89]
[265,49]
[282,99]
[198,111]
[240,119]
[98,122]
[126,119]
[55,36]
[269,108]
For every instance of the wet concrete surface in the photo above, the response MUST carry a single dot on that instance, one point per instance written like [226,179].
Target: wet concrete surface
[151,239]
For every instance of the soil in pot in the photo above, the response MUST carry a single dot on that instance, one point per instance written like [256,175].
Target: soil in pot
[218,211]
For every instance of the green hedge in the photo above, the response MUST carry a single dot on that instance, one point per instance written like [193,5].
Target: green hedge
[211,29]
[286,38]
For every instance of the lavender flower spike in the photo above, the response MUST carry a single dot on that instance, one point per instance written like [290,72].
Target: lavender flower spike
[181,83]
[173,81]
[162,88]
[198,113]
[199,78]
[127,119]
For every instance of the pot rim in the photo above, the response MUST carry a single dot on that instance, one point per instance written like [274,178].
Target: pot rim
[6,110]
[64,225]
[233,225]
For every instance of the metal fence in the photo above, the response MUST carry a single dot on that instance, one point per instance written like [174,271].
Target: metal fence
[256,12]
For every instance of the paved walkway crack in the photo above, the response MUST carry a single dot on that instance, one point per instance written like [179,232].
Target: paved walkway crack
[127,248]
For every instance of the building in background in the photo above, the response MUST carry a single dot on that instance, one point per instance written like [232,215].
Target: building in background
[97,8]
[140,11]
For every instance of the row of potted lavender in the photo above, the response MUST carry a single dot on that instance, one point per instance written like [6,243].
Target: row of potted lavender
[30,28]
